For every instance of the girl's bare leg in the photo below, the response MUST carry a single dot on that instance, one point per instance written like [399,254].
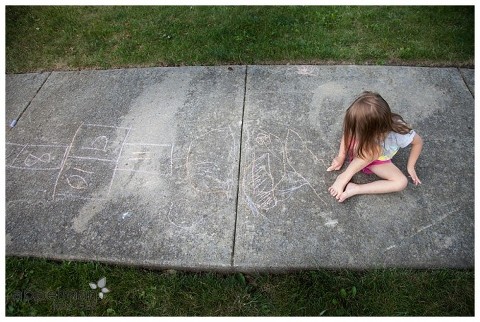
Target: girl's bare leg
[393,180]
[343,179]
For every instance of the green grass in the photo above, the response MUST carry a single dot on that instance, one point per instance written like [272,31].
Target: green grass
[44,288]
[66,38]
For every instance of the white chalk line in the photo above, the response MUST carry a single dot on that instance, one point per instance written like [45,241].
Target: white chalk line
[15,159]
[422,229]
[81,170]
[42,145]
[118,159]
[267,197]
[28,166]
[92,158]
[188,227]
[75,197]
[64,160]
[108,126]
[68,156]
[142,171]
[135,159]
[189,164]
[37,159]
[148,144]
[33,169]
[83,185]
[171,160]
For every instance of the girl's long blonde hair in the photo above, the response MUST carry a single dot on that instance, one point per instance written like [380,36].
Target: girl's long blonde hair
[367,123]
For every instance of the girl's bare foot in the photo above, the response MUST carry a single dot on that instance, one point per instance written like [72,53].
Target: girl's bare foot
[338,186]
[350,191]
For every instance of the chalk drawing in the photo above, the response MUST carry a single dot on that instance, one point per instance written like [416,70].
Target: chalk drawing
[77,182]
[96,148]
[181,217]
[99,143]
[331,223]
[64,161]
[81,170]
[15,150]
[34,157]
[306,71]
[265,185]
[211,161]
[437,221]
[86,168]
[82,167]
[118,157]
[260,182]
[147,158]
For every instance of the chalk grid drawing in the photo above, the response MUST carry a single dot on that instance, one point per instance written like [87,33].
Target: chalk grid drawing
[34,157]
[86,169]
[96,153]
[90,162]
[277,168]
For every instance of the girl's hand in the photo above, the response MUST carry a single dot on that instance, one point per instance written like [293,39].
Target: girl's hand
[336,163]
[413,175]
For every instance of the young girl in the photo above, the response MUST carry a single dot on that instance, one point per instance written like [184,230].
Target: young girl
[372,134]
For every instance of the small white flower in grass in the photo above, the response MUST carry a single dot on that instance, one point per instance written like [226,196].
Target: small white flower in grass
[101,285]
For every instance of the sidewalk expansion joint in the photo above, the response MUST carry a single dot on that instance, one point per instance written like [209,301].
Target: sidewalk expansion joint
[465,82]
[15,121]
[232,259]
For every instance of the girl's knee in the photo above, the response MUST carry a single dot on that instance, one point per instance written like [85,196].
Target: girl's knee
[402,182]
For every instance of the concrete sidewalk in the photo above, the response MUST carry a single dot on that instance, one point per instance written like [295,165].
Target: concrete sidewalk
[223,168]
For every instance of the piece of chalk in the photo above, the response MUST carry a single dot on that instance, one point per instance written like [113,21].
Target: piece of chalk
[13,123]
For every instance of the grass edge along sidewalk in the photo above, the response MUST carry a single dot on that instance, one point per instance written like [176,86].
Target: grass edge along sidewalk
[39,287]
[102,37]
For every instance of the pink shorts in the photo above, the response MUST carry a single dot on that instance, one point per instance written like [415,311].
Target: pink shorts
[367,170]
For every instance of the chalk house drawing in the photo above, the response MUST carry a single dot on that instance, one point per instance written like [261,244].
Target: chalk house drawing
[277,169]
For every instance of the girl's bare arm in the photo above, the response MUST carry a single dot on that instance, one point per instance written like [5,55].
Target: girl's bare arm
[340,158]
[417,145]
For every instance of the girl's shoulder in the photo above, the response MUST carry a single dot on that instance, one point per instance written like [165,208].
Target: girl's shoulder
[402,140]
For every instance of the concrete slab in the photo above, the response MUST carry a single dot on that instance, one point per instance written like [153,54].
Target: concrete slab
[134,166]
[20,90]
[143,167]
[292,127]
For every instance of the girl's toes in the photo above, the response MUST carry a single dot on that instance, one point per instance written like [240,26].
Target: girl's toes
[342,197]
[332,192]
